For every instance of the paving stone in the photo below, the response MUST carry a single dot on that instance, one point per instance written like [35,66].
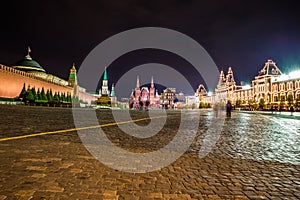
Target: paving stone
[58,166]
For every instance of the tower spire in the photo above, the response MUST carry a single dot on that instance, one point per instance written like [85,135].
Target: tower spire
[137,82]
[73,77]
[221,78]
[105,74]
[112,90]
[131,95]
[105,83]
[152,82]
[229,76]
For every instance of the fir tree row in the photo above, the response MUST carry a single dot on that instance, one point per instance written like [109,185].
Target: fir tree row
[31,95]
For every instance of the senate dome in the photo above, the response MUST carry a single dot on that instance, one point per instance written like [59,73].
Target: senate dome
[27,64]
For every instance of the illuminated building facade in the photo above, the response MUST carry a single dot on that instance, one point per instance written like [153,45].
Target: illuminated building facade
[106,97]
[269,89]
[28,72]
[143,98]
[167,97]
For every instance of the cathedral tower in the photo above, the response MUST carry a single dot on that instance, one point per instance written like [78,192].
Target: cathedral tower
[230,78]
[152,91]
[221,79]
[104,90]
[73,77]
[137,89]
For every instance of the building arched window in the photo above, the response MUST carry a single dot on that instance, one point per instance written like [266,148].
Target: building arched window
[290,84]
[282,97]
[281,86]
[298,96]
[296,84]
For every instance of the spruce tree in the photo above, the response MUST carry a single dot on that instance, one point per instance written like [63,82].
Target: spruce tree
[55,97]
[51,94]
[43,95]
[59,96]
[63,97]
[23,93]
[34,93]
[69,98]
[38,95]
[48,95]
[30,96]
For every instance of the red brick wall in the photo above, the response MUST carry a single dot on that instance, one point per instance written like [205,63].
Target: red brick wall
[12,81]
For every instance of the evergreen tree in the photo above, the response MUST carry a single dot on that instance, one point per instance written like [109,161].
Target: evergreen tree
[69,98]
[30,96]
[59,96]
[34,93]
[63,97]
[51,94]
[56,97]
[48,95]
[38,95]
[28,89]
[43,95]
[23,93]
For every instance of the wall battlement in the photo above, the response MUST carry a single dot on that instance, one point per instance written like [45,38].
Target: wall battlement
[12,81]
[24,74]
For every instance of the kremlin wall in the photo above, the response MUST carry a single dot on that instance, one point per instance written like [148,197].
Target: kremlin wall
[29,72]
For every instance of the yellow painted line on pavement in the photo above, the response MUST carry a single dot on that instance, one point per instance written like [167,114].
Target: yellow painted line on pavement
[76,129]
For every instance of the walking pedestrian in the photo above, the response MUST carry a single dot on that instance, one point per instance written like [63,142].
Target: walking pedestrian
[228,108]
[292,110]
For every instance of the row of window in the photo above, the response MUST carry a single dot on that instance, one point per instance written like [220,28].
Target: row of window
[286,86]
[276,87]
[262,88]
[276,97]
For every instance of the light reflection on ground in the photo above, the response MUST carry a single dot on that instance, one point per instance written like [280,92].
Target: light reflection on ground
[261,137]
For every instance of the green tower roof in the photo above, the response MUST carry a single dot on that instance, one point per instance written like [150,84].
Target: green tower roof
[112,90]
[105,75]
[73,76]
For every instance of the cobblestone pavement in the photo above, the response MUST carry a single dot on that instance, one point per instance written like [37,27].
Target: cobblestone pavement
[257,156]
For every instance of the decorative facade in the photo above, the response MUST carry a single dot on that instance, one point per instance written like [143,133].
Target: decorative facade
[167,97]
[106,97]
[226,87]
[144,98]
[270,89]
[201,93]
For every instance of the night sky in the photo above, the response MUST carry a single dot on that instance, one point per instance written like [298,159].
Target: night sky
[240,34]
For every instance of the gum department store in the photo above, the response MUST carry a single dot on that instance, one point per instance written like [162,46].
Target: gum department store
[269,89]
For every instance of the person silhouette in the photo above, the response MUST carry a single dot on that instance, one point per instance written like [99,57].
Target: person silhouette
[292,110]
[228,108]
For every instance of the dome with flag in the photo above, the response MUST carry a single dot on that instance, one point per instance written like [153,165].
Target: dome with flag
[27,64]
